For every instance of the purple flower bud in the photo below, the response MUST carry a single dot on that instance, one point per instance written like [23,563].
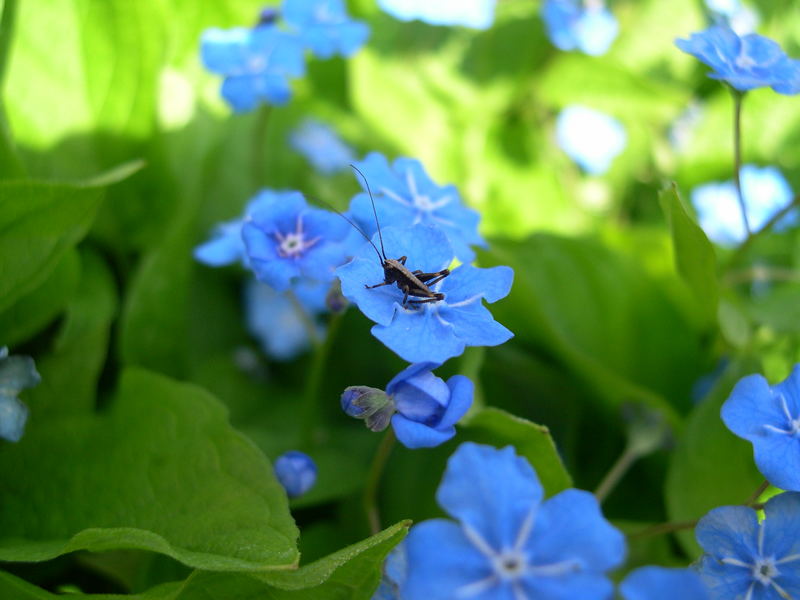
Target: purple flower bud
[370,404]
[268,16]
[296,472]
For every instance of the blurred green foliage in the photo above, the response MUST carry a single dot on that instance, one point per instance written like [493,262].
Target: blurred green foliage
[146,436]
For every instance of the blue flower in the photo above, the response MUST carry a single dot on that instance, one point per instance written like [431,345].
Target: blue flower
[422,407]
[405,195]
[319,143]
[765,192]
[16,374]
[478,14]
[658,583]
[571,25]
[273,318]
[286,239]
[433,331]
[226,246]
[325,27]
[590,138]
[746,62]
[296,472]
[769,418]
[508,543]
[749,560]
[394,574]
[257,64]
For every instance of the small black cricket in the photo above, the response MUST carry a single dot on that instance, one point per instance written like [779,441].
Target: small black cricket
[412,283]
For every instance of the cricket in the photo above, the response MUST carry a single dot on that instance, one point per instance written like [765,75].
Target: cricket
[414,284]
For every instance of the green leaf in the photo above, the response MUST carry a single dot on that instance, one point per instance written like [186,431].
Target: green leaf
[350,574]
[71,370]
[695,259]
[499,428]
[602,316]
[39,222]
[162,471]
[710,466]
[30,313]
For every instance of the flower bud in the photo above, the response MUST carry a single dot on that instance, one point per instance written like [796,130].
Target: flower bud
[296,472]
[371,404]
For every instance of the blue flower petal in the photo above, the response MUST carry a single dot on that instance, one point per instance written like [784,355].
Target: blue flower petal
[721,580]
[13,416]
[377,304]
[409,372]
[273,88]
[782,526]
[729,531]
[16,374]
[492,491]
[473,322]
[413,434]
[467,282]
[659,583]
[224,51]
[750,406]
[462,392]
[586,586]
[590,138]
[225,246]
[241,92]
[441,560]
[596,31]
[419,336]
[569,526]
[321,146]
[296,472]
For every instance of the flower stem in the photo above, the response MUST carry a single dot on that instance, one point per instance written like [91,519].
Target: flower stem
[311,411]
[737,155]
[259,142]
[308,321]
[753,499]
[616,473]
[374,478]
[740,251]
[661,528]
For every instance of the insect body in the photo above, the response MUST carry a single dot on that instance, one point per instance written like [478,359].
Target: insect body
[415,284]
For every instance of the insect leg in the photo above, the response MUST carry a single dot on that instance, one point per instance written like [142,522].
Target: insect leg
[369,287]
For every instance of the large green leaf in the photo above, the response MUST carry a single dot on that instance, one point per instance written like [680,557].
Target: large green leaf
[34,310]
[694,255]
[499,428]
[39,222]
[162,471]
[602,315]
[71,370]
[711,466]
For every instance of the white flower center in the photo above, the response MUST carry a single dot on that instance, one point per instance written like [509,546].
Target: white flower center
[510,564]
[764,570]
[294,243]
[792,423]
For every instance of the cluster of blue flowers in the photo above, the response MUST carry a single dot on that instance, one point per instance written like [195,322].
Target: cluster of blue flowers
[257,63]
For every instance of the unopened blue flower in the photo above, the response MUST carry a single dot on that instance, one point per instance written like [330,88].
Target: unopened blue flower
[507,543]
[769,418]
[286,239]
[765,192]
[405,195]
[659,583]
[432,331]
[590,138]
[571,25]
[16,374]
[296,472]
[322,147]
[478,14]
[423,408]
[324,26]
[273,318]
[746,62]
[257,64]
[748,560]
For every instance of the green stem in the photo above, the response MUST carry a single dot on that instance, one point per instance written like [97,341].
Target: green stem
[11,165]
[663,528]
[259,142]
[615,474]
[311,407]
[374,479]
[308,321]
[752,500]
[741,250]
[737,155]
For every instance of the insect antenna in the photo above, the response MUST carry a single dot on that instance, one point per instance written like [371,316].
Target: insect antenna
[374,212]
[357,228]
